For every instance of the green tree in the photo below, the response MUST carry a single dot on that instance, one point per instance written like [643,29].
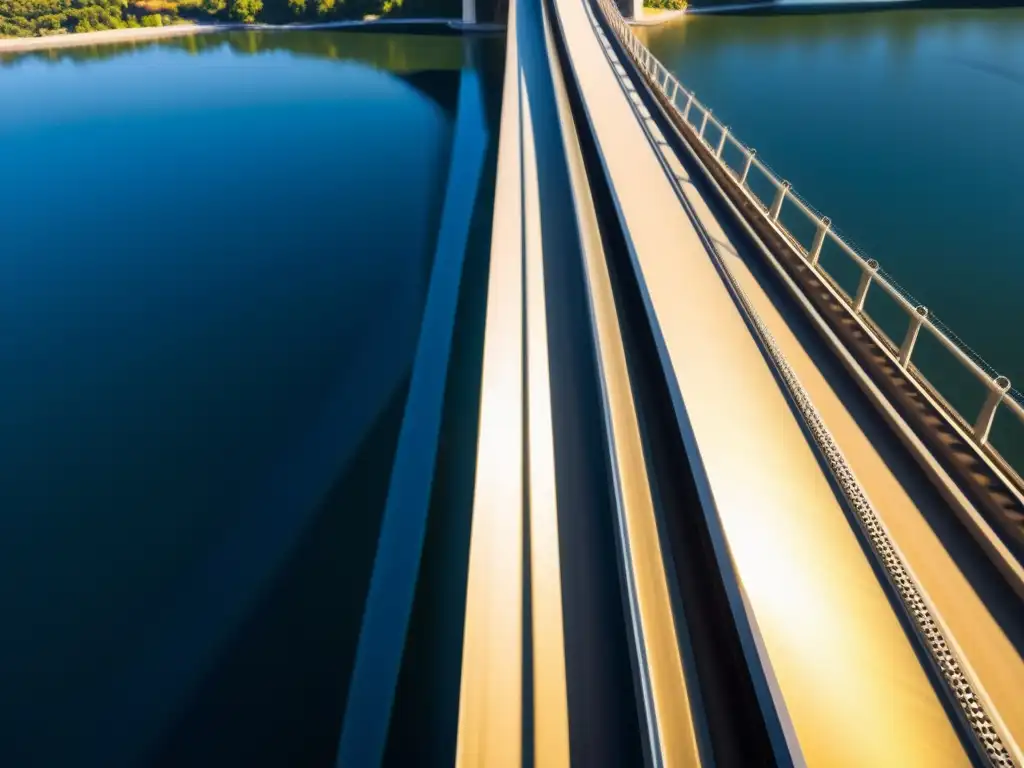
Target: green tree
[298,7]
[324,7]
[246,10]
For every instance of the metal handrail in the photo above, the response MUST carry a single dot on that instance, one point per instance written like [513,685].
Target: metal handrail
[699,117]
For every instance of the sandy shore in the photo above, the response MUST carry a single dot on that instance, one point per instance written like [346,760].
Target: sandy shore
[109,36]
[17,44]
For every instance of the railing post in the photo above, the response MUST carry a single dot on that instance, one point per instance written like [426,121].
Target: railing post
[999,386]
[907,347]
[721,142]
[689,103]
[870,268]
[819,240]
[780,198]
[704,122]
[746,168]
[675,92]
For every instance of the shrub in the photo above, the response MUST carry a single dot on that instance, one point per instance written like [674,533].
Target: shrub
[246,10]
[668,5]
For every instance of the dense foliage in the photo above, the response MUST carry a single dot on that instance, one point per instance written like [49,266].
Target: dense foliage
[668,5]
[21,18]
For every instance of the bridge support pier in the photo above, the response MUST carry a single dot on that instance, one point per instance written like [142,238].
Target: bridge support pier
[469,11]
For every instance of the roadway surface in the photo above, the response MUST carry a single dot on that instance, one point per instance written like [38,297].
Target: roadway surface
[662,567]
[974,601]
[843,663]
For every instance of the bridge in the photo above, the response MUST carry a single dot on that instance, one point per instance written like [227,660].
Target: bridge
[720,514]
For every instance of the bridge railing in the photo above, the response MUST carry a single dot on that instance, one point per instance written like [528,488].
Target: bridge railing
[838,262]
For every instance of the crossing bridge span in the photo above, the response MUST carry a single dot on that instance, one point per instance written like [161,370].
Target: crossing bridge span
[718,515]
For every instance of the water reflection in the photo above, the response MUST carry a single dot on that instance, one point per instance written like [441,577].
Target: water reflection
[997,27]
[421,59]
[391,52]
[213,271]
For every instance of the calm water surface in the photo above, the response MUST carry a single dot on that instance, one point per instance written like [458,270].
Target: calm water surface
[903,127]
[214,253]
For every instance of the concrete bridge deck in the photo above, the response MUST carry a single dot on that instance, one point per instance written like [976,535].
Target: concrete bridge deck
[726,390]
[923,510]
[813,595]
[695,540]
[832,655]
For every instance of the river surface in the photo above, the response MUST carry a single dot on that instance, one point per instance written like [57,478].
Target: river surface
[214,253]
[904,127]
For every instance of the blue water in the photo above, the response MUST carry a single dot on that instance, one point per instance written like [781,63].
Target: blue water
[213,262]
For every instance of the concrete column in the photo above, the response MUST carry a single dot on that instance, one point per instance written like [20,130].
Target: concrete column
[1000,386]
[746,168]
[819,240]
[865,282]
[469,11]
[907,347]
[780,198]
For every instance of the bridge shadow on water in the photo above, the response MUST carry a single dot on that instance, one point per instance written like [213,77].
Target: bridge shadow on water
[276,692]
[424,718]
[241,656]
